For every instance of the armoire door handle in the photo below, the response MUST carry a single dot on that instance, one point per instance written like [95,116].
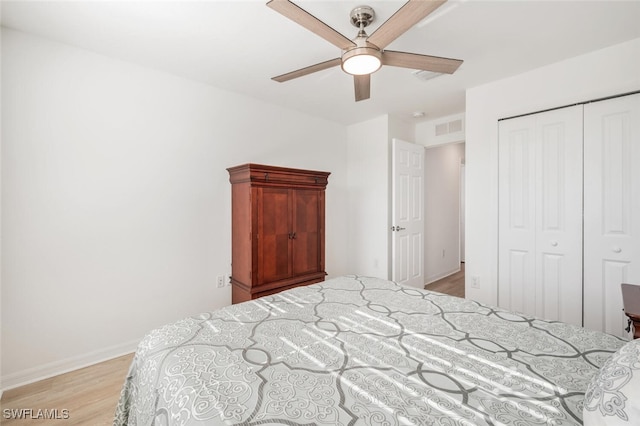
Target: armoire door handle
[616,249]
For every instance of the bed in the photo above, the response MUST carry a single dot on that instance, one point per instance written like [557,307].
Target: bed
[356,350]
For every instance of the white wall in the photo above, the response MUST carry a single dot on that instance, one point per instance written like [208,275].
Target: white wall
[1,173]
[442,210]
[609,71]
[369,180]
[116,201]
[367,176]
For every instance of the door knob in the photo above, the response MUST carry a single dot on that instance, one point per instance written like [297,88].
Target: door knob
[616,249]
[554,243]
[397,228]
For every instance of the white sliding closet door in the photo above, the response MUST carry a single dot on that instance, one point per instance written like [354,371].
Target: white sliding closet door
[540,215]
[612,209]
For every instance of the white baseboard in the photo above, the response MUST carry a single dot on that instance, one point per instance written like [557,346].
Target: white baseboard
[441,276]
[55,368]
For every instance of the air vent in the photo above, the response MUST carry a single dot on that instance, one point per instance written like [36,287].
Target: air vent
[455,126]
[449,127]
[442,129]
[426,75]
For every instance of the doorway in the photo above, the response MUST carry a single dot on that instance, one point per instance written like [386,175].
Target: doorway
[444,216]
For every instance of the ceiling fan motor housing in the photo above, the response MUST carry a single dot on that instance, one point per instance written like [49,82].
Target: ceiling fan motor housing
[362,16]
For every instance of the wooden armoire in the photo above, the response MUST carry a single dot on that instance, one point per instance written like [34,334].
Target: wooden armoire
[277,221]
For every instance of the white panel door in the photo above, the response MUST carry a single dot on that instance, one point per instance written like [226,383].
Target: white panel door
[612,209]
[559,215]
[407,231]
[516,221]
[540,215]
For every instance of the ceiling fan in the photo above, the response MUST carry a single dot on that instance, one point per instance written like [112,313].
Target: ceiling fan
[365,54]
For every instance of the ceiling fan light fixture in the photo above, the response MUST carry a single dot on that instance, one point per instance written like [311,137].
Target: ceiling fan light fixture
[361,61]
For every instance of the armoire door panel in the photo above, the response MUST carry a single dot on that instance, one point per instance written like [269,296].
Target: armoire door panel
[306,229]
[273,234]
[611,209]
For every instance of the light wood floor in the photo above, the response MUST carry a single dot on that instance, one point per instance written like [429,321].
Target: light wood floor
[90,395]
[452,285]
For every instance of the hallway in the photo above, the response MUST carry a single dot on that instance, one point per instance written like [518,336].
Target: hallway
[452,285]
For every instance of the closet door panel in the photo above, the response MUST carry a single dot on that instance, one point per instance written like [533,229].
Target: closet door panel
[558,215]
[540,215]
[612,209]
[516,224]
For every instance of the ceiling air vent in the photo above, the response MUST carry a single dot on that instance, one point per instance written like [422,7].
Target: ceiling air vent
[425,75]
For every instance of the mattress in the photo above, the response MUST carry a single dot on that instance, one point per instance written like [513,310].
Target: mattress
[362,351]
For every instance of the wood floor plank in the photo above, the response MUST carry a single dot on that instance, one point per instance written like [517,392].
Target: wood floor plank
[452,285]
[89,394]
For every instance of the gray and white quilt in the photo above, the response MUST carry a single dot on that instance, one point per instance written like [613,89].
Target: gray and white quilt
[362,351]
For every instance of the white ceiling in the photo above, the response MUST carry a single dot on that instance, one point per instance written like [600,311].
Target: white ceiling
[240,45]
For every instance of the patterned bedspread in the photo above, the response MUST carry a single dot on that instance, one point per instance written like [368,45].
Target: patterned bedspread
[356,350]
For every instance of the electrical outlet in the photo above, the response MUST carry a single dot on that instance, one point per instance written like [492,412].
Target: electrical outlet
[475,281]
[220,281]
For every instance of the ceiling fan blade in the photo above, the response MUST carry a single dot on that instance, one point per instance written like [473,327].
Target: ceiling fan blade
[307,70]
[362,85]
[310,22]
[406,17]
[420,62]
